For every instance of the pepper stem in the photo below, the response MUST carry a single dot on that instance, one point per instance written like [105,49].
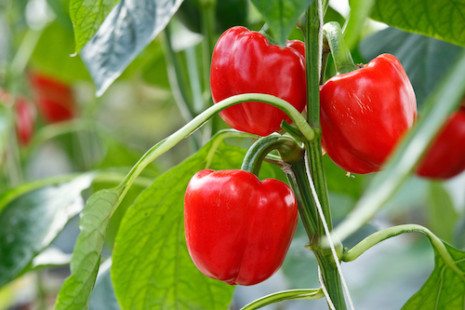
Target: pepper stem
[341,54]
[287,147]
[298,174]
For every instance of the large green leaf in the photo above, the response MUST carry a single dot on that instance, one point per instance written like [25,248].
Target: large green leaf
[87,253]
[425,60]
[52,54]
[128,28]
[151,266]
[31,217]
[281,15]
[440,19]
[444,289]
[87,16]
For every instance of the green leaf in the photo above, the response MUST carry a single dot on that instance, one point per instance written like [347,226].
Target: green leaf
[123,35]
[444,289]
[281,15]
[440,19]
[151,265]
[52,54]
[439,105]
[150,257]
[85,261]
[31,217]
[87,16]
[425,60]
[442,215]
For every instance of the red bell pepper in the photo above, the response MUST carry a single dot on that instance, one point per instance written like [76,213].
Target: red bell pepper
[238,229]
[55,99]
[445,157]
[364,114]
[25,116]
[244,61]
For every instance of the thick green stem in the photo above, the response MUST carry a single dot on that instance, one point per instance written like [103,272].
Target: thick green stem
[286,146]
[314,226]
[309,209]
[313,50]
[341,54]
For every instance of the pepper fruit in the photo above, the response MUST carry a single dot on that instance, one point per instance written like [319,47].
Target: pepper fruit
[25,119]
[54,98]
[238,229]
[445,157]
[244,61]
[25,116]
[364,114]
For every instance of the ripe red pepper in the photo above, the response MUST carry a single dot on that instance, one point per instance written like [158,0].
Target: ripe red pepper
[446,156]
[238,229]
[24,118]
[244,61]
[364,114]
[55,99]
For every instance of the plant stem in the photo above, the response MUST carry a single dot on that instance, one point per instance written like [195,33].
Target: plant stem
[284,295]
[377,237]
[194,80]
[208,25]
[208,31]
[168,143]
[41,291]
[179,86]
[313,225]
[313,50]
[286,146]
[311,219]
[341,54]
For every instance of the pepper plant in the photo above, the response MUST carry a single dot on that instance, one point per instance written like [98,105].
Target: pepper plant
[282,74]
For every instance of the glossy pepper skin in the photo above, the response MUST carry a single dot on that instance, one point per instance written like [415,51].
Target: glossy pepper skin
[54,98]
[445,157]
[364,114]
[244,61]
[238,229]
